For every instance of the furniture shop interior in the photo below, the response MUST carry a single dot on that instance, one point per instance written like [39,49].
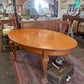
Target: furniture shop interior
[41,41]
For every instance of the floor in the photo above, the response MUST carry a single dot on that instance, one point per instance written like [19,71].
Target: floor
[7,74]
[78,52]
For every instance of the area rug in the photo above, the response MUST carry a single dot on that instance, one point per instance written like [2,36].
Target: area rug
[28,68]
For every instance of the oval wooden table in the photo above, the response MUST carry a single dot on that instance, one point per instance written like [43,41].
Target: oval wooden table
[44,42]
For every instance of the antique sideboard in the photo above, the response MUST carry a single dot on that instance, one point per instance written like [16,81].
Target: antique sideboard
[40,23]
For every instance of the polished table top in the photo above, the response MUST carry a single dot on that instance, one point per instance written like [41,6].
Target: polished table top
[44,42]
[42,39]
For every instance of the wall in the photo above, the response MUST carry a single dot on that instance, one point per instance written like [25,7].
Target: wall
[61,11]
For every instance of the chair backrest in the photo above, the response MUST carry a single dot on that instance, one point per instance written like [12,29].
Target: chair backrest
[63,26]
[6,22]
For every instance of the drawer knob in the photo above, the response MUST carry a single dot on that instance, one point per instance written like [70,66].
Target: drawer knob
[42,25]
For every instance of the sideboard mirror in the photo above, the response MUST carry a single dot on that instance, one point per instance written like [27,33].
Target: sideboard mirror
[34,7]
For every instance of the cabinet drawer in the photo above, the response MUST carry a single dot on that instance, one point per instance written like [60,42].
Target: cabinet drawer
[43,25]
[29,25]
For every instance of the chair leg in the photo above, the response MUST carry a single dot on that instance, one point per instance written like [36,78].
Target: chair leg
[12,46]
[1,44]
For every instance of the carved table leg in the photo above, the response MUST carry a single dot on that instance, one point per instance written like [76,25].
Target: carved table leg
[44,62]
[12,46]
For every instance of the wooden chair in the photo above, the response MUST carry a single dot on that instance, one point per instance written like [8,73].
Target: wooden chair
[4,37]
[63,26]
[73,19]
[1,16]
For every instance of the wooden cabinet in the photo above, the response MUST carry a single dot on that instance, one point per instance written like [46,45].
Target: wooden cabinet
[42,24]
[52,25]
